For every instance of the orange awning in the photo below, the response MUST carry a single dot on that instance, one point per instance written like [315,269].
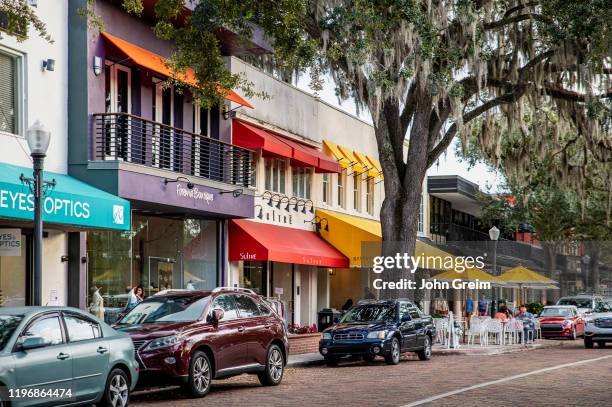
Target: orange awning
[157,63]
[255,241]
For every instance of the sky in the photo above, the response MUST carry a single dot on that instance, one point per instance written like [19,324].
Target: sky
[449,163]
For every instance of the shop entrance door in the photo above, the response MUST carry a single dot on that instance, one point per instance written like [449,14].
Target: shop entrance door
[159,276]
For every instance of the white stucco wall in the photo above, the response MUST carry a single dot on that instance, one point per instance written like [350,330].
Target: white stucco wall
[44,94]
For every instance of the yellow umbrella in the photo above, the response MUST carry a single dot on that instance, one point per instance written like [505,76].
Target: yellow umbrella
[470,274]
[522,277]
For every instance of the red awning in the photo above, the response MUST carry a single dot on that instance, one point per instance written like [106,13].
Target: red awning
[255,241]
[252,137]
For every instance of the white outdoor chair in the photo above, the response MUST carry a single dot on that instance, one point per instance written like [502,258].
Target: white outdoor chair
[514,330]
[478,327]
[495,328]
[441,325]
[538,329]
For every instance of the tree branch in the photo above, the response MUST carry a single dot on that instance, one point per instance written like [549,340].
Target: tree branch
[409,106]
[443,144]
[516,19]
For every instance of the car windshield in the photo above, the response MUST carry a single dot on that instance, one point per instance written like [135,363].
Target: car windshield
[154,310]
[603,307]
[8,324]
[557,312]
[370,313]
[578,302]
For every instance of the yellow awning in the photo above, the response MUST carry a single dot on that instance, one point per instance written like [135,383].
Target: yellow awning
[331,149]
[372,172]
[376,166]
[523,277]
[346,233]
[357,167]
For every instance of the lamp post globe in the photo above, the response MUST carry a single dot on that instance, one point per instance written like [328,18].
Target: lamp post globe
[494,233]
[494,236]
[38,138]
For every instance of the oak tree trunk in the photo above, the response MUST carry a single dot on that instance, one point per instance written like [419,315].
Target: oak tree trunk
[399,214]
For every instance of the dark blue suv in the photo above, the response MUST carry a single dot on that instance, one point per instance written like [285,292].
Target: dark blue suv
[384,328]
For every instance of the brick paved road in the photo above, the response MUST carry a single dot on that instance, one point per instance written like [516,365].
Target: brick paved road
[376,384]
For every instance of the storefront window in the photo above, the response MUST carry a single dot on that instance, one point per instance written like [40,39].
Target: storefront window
[13,278]
[109,272]
[200,254]
[158,254]
[253,275]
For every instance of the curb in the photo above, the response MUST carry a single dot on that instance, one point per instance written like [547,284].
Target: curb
[315,359]
[488,351]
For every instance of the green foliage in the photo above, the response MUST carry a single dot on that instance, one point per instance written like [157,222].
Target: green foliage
[197,47]
[589,19]
[19,17]
[535,308]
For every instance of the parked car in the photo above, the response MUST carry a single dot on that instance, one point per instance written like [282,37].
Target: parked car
[599,326]
[585,303]
[379,328]
[193,337]
[561,321]
[62,355]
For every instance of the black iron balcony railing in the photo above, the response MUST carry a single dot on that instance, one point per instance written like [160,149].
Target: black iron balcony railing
[129,138]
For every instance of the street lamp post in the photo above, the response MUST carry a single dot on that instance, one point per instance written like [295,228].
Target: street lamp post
[38,138]
[494,236]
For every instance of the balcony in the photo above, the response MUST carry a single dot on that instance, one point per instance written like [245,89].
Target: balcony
[132,139]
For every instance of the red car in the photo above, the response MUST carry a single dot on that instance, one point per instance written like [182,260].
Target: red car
[561,321]
[195,336]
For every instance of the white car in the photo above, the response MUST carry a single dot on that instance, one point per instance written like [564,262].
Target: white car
[599,326]
[584,302]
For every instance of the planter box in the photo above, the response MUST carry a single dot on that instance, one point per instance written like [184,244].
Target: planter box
[303,343]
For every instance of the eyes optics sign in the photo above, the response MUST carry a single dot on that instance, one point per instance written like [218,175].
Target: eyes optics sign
[69,202]
[51,206]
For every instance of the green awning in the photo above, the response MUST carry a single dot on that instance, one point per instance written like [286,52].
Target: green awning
[69,202]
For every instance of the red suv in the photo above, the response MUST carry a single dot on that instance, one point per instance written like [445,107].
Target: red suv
[197,336]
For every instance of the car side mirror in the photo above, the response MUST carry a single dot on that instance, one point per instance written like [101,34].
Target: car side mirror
[33,342]
[216,315]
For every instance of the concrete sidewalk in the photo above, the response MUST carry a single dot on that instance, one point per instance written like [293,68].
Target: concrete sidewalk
[314,359]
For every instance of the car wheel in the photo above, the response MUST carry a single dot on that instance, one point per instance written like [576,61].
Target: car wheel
[588,343]
[601,344]
[275,364]
[331,361]
[200,375]
[425,354]
[117,390]
[574,334]
[394,357]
